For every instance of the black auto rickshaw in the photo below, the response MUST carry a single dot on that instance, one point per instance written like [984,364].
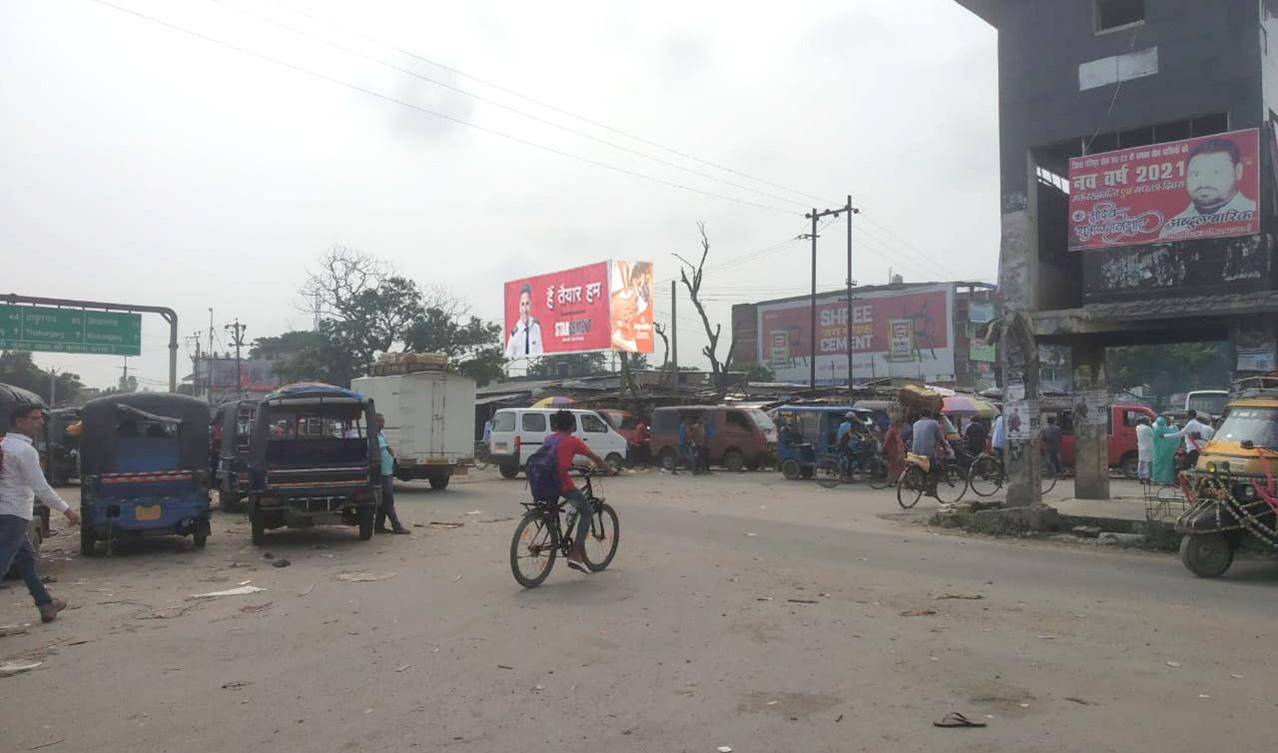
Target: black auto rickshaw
[10,398]
[233,432]
[313,460]
[143,468]
[62,442]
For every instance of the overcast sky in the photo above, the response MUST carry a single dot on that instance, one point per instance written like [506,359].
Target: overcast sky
[142,164]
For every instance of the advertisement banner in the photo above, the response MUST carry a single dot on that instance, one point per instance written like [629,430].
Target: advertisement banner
[1204,187]
[604,306]
[908,333]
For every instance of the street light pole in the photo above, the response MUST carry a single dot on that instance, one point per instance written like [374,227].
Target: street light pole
[812,338]
[851,210]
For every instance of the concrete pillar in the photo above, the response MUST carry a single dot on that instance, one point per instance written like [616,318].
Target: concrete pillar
[1091,421]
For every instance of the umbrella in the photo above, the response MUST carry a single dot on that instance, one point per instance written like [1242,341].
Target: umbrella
[967,405]
[553,402]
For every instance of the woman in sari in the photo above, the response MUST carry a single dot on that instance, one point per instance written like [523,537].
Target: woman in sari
[894,450]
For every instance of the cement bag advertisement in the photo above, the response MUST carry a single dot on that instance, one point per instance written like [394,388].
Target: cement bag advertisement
[1203,187]
[603,306]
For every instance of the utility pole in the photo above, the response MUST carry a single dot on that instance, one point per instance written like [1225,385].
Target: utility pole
[237,337]
[53,388]
[674,334]
[812,337]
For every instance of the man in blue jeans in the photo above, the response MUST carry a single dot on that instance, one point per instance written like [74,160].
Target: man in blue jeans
[21,481]
[387,508]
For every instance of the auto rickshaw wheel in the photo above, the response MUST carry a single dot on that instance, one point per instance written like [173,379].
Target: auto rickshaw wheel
[734,461]
[200,535]
[88,540]
[668,459]
[439,483]
[791,469]
[1207,555]
[229,501]
[257,526]
[365,515]
[508,471]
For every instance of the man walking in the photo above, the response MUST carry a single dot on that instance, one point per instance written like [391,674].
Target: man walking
[1196,433]
[387,508]
[21,481]
[1052,443]
[1144,449]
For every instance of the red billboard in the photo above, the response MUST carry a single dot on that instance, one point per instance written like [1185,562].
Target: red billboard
[894,333]
[1205,187]
[604,306]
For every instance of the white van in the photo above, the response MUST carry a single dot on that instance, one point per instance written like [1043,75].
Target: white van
[518,432]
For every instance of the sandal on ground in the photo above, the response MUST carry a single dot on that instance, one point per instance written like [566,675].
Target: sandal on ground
[956,719]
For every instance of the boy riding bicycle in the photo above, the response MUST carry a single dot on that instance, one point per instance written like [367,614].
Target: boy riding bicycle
[568,447]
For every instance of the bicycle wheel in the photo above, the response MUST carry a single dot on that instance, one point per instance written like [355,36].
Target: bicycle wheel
[533,549]
[876,473]
[829,473]
[604,536]
[910,488]
[1046,479]
[985,477]
[481,456]
[952,484]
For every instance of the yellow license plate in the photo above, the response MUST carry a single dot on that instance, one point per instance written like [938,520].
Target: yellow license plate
[148,512]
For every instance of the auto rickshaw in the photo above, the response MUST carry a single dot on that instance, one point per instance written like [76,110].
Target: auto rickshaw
[143,468]
[233,428]
[1235,484]
[806,433]
[11,397]
[62,440]
[313,460]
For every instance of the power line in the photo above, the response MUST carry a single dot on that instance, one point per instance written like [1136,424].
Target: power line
[546,105]
[494,103]
[435,113]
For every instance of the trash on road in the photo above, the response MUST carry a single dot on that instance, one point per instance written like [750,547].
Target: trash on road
[281,563]
[363,577]
[457,579]
[918,613]
[475,512]
[404,667]
[956,719]
[49,744]
[1174,664]
[235,684]
[10,668]
[503,666]
[445,524]
[164,613]
[306,591]
[803,601]
[724,749]
[255,608]
[241,591]
[7,630]
[969,597]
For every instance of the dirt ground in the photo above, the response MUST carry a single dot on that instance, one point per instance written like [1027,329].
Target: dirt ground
[742,610]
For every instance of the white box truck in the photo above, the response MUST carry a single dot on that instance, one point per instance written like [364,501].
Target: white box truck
[430,422]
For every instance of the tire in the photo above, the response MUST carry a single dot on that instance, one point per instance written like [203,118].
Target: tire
[876,473]
[88,539]
[537,543]
[615,462]
[509,472]
[909,489]
[828,473]
[983,476]
[481,456]
[791,469]
[439,483]
[952,484]
[257,526]
[229,501]
[605,542]
[1130,466]
[734,461]
[366,514]
[200,535]
[668,459]
[1207,555]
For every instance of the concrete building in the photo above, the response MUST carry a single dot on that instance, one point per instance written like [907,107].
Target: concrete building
[917,330]
[1110,113]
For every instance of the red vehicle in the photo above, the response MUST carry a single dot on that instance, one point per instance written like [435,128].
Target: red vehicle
[1121,429]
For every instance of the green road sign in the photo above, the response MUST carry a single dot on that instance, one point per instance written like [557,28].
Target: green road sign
[70,330]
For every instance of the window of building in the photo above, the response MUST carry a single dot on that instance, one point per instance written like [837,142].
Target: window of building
[1116,14]
[1201,125]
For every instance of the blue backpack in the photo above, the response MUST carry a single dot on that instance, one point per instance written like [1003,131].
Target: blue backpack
[542,468]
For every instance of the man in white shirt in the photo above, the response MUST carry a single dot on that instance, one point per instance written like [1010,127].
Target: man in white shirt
[21,481]
[1196,434]
[1144,449]
[525,338]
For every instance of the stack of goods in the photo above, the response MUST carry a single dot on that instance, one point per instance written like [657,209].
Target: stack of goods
[408,363]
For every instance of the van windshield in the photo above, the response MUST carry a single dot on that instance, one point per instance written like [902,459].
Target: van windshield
[504,421]
[1207,402]
[1259,425]
[762,421]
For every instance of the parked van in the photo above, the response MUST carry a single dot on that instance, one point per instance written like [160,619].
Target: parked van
[739,437]
[518,432]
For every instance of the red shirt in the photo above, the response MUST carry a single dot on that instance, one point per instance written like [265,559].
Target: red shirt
[568,448]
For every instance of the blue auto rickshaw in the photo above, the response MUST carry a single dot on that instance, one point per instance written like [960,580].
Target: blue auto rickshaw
[143,468]
[807,432]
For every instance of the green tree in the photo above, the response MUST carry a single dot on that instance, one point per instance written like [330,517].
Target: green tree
[1169,369]
[758,372]
[472,345]
[19,369]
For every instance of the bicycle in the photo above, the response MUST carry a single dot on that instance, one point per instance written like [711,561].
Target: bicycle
[947,485]
[540,536]
[483,456]
[834,469]
[987,475]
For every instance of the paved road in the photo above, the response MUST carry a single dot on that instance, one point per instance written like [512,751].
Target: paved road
[689,642]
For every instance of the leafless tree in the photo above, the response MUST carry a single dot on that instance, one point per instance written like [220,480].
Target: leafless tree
[660,329]
[718,369]
[342,274]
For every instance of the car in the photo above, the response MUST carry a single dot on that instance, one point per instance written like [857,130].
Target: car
[739,437]
[518,432]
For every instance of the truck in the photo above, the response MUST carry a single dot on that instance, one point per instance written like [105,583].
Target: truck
[1120,431]
[430,419]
